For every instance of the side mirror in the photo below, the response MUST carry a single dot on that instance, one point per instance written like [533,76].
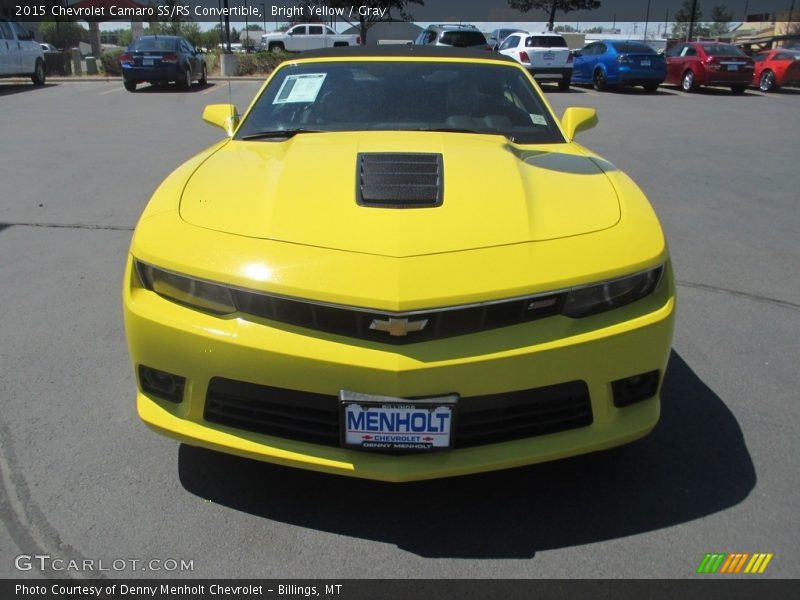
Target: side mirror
[578,118]
[222,115]
[577,53]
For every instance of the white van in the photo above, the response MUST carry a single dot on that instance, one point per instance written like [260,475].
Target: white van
[20,54]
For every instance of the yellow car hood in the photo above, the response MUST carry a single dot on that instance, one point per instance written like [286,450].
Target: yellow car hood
[303,190]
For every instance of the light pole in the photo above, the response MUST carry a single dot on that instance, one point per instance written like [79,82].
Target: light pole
[263,17]
[691,21]
[246,27]
[646,20]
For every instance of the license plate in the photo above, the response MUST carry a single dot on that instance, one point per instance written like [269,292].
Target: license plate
[645,63]
[548,56]
[733,67]
[370,422]
[148,62]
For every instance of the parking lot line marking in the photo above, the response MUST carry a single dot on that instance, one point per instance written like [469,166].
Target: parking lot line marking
[111,91]
[212,89]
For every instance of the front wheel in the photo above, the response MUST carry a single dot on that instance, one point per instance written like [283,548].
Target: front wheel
[203,76]
[39,73]
[599,81]
[650,87]
[130,85]
[738,89]
[276,47]
[687,83]
[563,85]
[767,82]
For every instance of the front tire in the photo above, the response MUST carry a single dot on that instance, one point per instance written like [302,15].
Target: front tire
[563,85]
[767,82]
[130,85]
[599,81]
[738,89]
[203,76]
[275,47]
[650,88]
[39,73]
[688,83]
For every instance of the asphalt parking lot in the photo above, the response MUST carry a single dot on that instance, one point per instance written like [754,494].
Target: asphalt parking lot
[82,478]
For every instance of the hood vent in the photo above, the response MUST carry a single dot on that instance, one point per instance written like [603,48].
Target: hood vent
[402,180]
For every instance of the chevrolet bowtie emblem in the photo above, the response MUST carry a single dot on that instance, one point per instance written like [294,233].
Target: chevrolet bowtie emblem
[398,326]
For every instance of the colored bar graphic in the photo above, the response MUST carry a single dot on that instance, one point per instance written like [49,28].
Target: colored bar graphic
[711,563]
[733,562]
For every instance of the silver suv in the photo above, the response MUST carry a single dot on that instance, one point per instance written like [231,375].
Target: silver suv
[460,36]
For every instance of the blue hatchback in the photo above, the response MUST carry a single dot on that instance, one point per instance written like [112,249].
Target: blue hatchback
[161,59]
[610,63]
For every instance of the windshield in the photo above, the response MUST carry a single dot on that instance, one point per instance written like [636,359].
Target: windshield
[395,95]
[722,50]
[153,45]
[633,48]
[545,41]
[463,39]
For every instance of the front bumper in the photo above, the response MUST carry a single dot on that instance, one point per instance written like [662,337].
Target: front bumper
[597,350]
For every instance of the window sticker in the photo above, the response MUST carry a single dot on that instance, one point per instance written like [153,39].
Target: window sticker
[538,120]
[300,88]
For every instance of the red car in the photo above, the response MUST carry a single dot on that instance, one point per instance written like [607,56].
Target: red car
[776,68]
[692,64]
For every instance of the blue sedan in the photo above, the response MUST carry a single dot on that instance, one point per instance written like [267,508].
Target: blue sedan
[610,63]
[160,59]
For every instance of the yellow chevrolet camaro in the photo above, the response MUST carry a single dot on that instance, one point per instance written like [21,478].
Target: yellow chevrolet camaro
[398,265]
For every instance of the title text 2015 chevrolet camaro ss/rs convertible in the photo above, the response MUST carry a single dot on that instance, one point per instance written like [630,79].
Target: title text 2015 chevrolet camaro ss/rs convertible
[398,266]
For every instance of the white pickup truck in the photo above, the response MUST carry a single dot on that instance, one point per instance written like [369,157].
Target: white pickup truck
[20,54]
[307,37]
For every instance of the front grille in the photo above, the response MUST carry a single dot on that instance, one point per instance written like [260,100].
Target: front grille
[480,420]
[398,328]
[399,180]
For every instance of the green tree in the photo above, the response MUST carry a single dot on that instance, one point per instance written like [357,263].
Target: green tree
[564,29]
[595,29]
[682,18]
[721,17]
[63,34]
[553,6]
[368,20]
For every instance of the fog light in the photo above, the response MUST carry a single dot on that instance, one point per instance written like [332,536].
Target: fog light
[634,389]
[161,384]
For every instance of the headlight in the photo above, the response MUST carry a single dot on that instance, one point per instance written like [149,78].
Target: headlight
[593,299]
[186,290]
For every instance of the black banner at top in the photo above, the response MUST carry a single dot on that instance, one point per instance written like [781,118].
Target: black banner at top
[274,13]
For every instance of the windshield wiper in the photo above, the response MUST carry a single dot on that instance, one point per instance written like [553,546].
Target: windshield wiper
[461,130]
[279,133]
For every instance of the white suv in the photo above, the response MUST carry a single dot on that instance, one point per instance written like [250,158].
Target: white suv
[20,54]
[546,56]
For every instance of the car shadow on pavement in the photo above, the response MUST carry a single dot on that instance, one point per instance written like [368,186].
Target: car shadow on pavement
[719,91]
[6,89]
[171,88]
[695,463]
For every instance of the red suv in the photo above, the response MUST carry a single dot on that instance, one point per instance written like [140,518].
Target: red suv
[692,64]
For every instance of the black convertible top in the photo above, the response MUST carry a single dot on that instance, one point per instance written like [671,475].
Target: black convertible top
[404,50]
